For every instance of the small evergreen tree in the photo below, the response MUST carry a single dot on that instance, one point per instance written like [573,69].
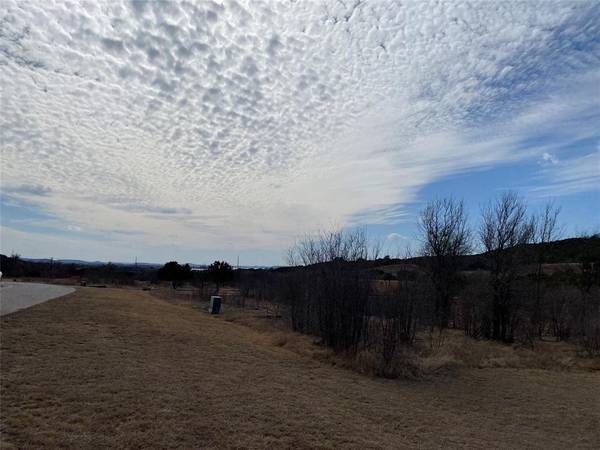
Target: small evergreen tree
[220,272]
[174,272]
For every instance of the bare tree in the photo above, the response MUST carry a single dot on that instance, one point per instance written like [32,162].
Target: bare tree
[331,245]
[375,248]
[588,314]
[392,324]
[446,237]
[546,230]
[334,291]
[505,228]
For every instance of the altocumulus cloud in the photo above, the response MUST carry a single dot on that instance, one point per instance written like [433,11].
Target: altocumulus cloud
[253,121]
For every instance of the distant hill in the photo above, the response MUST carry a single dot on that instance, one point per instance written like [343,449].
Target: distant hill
[140,265]
[82,263]
[571,250]
[77,262]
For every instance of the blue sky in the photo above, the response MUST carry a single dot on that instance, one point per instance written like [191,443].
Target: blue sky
[579,212]
[173,130]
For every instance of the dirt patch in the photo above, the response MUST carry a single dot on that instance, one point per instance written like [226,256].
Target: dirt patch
[121,368]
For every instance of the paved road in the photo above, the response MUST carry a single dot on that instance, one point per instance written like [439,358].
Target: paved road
[15,296]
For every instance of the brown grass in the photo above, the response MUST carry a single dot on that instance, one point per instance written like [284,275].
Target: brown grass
[432,353]
[459,350]
[121,368]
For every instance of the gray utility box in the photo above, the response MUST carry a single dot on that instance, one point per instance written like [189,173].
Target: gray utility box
[215,304]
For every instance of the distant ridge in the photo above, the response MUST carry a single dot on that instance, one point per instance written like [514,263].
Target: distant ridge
[80,262]
[569,250]
[144,265]
[560,251]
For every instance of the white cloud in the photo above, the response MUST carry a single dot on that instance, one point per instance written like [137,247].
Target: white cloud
[578,174]
[64,247]
[246,122]
[396,237]
[548,158]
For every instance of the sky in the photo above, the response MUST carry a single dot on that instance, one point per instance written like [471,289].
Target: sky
[210,130]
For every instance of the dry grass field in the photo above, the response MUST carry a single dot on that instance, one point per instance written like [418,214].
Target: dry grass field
[122,368]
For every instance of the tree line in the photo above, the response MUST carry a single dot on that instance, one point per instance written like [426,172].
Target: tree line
[217,273]
[514,296]
[513,290]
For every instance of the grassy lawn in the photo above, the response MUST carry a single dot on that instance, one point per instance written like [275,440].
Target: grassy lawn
[122,368]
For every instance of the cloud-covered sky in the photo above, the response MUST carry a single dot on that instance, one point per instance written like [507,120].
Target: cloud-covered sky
[194,130]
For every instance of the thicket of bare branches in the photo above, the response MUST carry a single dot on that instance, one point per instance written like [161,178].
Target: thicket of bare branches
[331,290]
[333,245]
[545,230]
[505,229]
[446,237]
[331,293]
[394,315]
